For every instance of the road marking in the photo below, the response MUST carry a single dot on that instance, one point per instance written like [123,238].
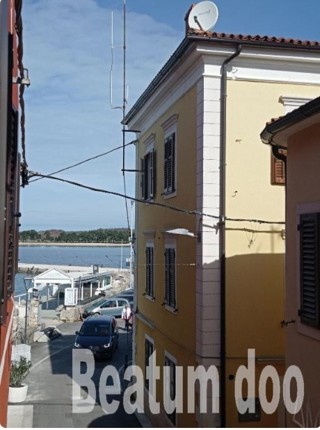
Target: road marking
[48,356]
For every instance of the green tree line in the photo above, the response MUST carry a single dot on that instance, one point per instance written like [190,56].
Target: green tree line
[114,235]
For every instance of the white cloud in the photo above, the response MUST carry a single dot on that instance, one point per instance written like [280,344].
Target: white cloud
[67,49]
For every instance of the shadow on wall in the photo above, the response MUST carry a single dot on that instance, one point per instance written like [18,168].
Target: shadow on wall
[255,294]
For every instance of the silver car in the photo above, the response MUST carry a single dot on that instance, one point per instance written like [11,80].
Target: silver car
[112,306]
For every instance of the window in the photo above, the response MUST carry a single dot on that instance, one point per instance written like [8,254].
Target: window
[309,269]
[148,175]
[170,277]
[122,303]
[109,304]
[278,171]
[169,164]
[149,271]
[171,365]
[148,351]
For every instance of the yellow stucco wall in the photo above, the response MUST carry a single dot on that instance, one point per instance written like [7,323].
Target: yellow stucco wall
[173,332]
[254,251]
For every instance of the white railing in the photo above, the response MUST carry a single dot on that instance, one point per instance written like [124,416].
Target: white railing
[19,296]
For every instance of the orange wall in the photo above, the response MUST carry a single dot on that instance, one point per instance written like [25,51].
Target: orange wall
[5,329]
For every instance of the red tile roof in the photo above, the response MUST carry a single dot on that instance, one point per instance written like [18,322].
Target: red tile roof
[257,38]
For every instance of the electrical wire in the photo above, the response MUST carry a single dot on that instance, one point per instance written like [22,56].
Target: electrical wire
[150,203]
[86,160]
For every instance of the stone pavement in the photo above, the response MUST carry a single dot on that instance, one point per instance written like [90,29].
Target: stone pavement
[49,397]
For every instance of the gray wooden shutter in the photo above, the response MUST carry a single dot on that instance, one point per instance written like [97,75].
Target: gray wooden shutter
[142,178]
[170,277]
[149,271]
[169,164]
[309,269]
[152,174]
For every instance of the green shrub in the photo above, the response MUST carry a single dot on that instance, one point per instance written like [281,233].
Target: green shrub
[18,371]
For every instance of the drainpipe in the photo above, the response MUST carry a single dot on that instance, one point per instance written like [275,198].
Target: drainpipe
[280,156]
[222,251]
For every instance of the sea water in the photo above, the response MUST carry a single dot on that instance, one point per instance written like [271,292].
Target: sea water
[109,256]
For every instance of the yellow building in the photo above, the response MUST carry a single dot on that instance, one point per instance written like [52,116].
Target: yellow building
[299,133]
[210,225]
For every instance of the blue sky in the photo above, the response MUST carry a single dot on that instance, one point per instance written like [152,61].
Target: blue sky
[69,117]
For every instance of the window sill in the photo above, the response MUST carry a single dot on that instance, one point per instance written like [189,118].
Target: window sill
[151,200]
[309,331]
[169,195]
[174,311]
[150,298]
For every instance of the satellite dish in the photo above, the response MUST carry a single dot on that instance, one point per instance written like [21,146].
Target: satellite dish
[203,16]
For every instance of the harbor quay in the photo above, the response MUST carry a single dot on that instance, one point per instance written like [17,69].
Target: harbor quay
[56,294]
[38,268]
[97,244]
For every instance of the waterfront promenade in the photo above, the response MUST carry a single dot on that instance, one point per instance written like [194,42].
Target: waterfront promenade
[91,244]
[38,268]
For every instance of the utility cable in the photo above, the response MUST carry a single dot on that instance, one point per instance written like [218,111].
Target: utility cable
[85,161]
[150,203]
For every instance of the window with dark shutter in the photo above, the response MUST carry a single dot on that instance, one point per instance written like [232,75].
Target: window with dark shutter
[149,271]
[148,175]
[278,171]
[169,164]
[171,368]
[148,351]
[309,269]
[170,277]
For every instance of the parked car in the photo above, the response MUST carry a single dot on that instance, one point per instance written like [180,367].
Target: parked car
[112,306]
[99,333]
[128,296]
[87,310]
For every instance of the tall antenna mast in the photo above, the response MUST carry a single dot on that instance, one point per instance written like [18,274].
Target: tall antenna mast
[124,98]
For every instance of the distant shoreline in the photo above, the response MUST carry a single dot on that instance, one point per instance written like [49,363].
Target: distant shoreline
[65,244]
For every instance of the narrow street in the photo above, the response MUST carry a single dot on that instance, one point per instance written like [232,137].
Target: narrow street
[49,400]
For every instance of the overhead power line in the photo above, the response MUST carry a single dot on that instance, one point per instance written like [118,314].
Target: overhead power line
[85,161]
[150,203]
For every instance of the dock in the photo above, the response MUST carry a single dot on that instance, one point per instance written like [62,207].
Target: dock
[39,268]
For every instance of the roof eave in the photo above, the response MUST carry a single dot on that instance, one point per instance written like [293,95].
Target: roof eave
[294,118]
[207,37]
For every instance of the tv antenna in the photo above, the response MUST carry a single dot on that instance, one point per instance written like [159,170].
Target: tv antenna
[203,16]
[124,95]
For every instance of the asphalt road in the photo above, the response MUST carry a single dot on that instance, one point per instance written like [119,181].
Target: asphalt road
[49,399]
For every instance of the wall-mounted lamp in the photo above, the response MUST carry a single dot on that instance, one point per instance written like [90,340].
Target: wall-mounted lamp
[22,80]
[181,232]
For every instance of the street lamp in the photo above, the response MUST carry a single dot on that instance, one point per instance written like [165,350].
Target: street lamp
[27,284]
